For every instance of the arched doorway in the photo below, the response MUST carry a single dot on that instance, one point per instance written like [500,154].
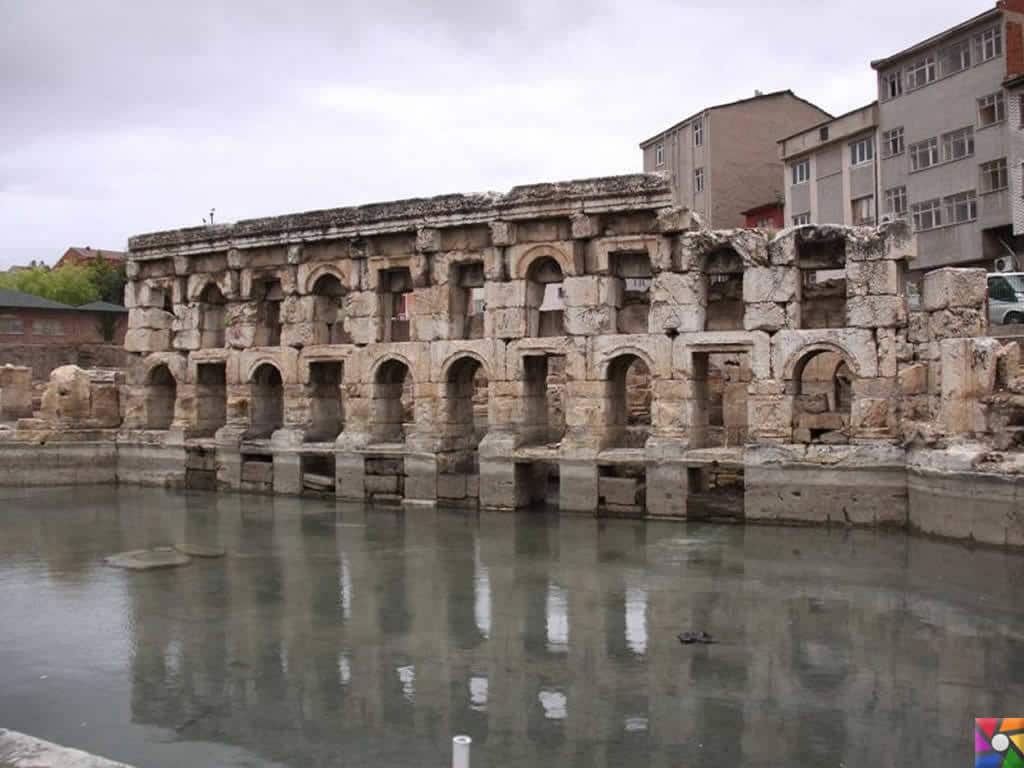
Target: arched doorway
[161,394]
[544,298]
[822,386]
[629,402]
[266,402]
[393,402]
[329,311]
[466,414]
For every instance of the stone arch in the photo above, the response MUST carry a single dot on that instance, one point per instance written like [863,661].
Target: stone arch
[526,260]
[390,356]
[286,363]
[628,376]
[545,306]
[393,399]
[455,357]
[313,275]
[803,354]
[176,364]
[266,399]
[328,292]
[608,357]
[821,385]
[161,396]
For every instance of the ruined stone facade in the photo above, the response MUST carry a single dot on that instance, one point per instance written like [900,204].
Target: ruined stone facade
[586,344]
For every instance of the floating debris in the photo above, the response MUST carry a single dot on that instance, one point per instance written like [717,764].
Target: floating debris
[200,550]
[690,638]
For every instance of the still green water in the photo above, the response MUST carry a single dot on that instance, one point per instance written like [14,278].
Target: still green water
[342,635]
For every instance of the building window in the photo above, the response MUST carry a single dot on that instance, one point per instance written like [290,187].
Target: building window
[892,142]
[802,171]
[955,58]
[11,325]
[991,109]
[801,219]
[924,154]
[698,180]
[994,175]
[698,133]
[957,145]
[823,133]
[896,202]
[961,208]
[48,327]
[892,85]
[927,215]
[659,155]
[988,44]
[861,152]
[863,210]
[920,73]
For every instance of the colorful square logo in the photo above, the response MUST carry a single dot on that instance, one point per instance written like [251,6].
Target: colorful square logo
[999,742]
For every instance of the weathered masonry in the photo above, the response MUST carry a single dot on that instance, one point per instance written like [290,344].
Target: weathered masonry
[581,343]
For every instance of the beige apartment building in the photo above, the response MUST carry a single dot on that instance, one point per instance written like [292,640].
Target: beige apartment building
[937,148]
[831,170]
[723,160]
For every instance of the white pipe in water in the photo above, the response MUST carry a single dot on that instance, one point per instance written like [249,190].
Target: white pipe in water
[460,751]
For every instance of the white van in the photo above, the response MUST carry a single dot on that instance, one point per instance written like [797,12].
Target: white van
[1006,298]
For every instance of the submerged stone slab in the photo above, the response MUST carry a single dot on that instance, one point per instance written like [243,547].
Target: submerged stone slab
[148,559]
[200,550]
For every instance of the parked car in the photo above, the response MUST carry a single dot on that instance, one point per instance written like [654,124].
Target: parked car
[1006,298]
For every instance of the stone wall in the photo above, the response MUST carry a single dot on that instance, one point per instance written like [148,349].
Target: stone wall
[627,362]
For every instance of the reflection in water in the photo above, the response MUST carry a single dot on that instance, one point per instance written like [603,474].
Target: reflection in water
[481,594]
[346,589]
[636,619]
[478,693]
[557,619]
[334,634]
[554,703]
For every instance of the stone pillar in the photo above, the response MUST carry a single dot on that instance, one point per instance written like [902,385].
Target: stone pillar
[15,392]
[667,485]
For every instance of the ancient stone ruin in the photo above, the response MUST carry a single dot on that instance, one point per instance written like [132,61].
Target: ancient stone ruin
[580,343]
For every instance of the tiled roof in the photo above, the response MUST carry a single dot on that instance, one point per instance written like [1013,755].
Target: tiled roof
[17,300]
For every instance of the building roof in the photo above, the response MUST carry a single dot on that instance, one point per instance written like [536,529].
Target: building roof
[991,13]
[756,97]
[102,306]
[90,253]
[17,300]
[831,120]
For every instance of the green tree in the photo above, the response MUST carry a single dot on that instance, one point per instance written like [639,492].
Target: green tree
[108,278]
[68,285]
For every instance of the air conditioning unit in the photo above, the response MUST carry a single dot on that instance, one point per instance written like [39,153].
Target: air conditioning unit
[1003,264]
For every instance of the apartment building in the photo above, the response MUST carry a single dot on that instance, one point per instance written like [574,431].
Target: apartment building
[831,170]
[944,138]
[723,160]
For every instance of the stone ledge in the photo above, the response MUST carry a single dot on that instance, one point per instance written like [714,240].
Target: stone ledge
[18,750]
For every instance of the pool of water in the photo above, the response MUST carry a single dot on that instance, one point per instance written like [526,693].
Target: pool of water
[341,635]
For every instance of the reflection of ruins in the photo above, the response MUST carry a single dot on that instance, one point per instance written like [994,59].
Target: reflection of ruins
[375,636]
[582,343]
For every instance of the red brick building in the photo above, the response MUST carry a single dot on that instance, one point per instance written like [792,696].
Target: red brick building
[76,256]
[27,319]
[768,216]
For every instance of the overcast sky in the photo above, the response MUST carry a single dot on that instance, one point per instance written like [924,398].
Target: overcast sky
[120,117]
